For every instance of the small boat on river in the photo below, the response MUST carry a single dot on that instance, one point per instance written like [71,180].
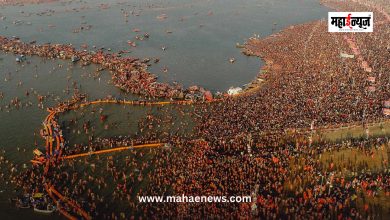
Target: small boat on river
[49,209]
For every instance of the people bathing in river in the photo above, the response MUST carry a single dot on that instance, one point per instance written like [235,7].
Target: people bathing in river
[129,74]
[239,145]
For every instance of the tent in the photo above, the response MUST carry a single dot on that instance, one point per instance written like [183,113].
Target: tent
[234,91]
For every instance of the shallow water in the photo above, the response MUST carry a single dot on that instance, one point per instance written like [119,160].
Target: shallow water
[47,78]
[194,54]
[125,120]
[203,39]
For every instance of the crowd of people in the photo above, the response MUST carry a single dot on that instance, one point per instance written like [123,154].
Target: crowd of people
[256,144]
[307,83]
[285,181]
[129,74]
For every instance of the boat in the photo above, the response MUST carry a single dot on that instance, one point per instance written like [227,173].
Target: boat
[49,209]
[238,45]
[75,59]
[24,202]
[162,17]
[131,43]
[20,58]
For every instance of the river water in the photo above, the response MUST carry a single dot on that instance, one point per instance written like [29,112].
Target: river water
[200,37]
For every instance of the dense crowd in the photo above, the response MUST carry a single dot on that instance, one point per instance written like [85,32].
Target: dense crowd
[307,83]
[242,146]
[285,181]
